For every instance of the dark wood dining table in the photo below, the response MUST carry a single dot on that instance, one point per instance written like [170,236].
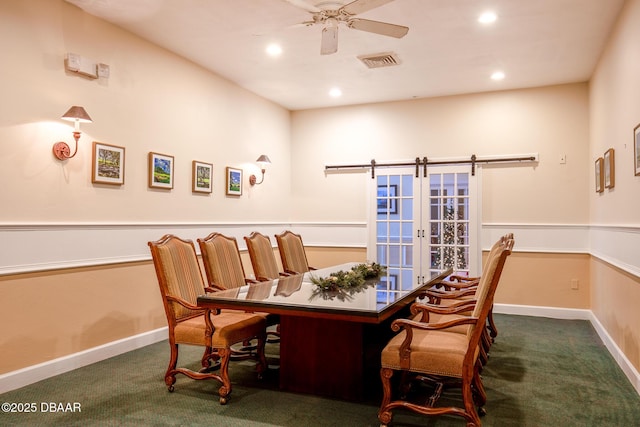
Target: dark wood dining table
[330,342]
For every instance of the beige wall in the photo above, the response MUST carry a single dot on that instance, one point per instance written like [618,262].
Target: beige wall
[615,111]
[153,101]
[550,121]
[53,314]
[545,280]
[156,101]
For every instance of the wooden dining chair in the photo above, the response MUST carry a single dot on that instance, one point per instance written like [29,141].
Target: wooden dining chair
[464,293]
[181,282]
[263,260]
[224,270]
[430,350]
[292,253]
[459,288]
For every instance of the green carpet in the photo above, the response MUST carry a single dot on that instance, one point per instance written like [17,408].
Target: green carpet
[541,372]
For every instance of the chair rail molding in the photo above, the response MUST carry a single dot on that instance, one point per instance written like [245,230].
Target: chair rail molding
[69,245]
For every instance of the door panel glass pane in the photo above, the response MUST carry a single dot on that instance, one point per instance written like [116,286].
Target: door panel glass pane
[394,256]
[407,256]
[407,232]
[407,209]
[407,280]
[407,185]
[394,232]
[381,253]
[381,232]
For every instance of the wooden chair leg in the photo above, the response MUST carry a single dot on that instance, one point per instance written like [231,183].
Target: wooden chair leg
[170,375]
[225,390]
[492,326]
[261,365]
[384,414]
[471,415]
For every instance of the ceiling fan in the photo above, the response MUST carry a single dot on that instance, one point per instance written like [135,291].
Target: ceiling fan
[332,13]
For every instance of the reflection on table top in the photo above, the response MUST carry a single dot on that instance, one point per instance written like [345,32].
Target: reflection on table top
[298,295]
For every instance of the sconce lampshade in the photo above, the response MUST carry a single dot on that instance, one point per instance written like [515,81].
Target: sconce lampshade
[78,114]
[263,161]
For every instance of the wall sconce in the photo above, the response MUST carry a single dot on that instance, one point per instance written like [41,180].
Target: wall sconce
[262,161]
[77,115]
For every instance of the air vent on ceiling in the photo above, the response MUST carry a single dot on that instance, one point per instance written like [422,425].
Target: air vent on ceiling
[378,60]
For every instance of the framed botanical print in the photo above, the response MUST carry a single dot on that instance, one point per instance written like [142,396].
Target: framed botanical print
[609,169]
[234,181]
[160,171]
[107,166]
[599,175]
[201,177]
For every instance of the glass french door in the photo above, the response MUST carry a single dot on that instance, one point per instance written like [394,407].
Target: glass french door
[419,225]
[451,220]
[395,213]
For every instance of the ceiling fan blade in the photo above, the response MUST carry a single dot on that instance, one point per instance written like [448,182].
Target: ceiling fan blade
[304,5]
[383,28]
[360,6]
[329,42]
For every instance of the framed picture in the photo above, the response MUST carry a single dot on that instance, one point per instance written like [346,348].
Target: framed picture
[107,166]
[201,177]
[234,181]
[387,201]
[160,171]
[609,169]
[599,175]
[636,148]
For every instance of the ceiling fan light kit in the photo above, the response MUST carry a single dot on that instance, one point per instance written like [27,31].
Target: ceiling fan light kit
[330,14]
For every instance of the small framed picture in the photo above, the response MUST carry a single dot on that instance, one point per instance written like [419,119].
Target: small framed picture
[201,177]
[636,149]
[609,169]
[234,181]
[599,175]
[107,166]
[160,171]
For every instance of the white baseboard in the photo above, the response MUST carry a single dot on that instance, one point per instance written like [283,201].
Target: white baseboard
[32,374]
[575,314]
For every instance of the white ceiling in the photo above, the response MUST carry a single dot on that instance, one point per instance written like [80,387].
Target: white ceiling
[446,52]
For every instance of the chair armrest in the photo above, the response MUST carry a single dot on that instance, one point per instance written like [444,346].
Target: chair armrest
[408,324]
[459,278]
[448,285]
[457,308]
[435,296]
[249,281]
[215,287]
[184,303]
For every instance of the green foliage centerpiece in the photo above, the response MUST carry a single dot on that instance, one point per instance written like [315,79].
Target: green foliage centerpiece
[343,284]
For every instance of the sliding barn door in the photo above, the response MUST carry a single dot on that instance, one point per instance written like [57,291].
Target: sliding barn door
[419,225]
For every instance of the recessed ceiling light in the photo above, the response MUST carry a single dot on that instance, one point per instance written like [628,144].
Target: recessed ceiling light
[497,75]
[335,92]
[274,50]
[487,18]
